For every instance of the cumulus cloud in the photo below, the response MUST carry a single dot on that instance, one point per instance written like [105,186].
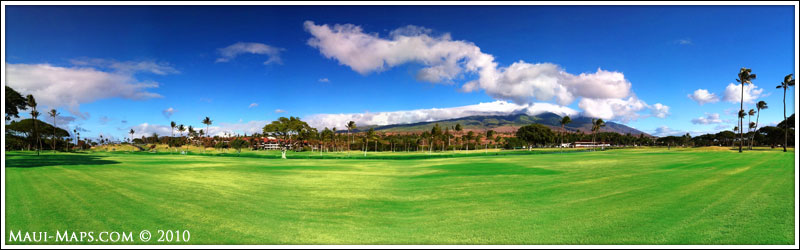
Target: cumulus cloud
[280,111]
[236,49]
[253,105]
[168,112]
[733,93]
[445,59]
[69,87]
[623,109]
[659,110]
[324,80]
[709,118]
[435,114]
[702,96]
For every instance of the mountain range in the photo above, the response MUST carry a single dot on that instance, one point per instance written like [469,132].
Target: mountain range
[506,124]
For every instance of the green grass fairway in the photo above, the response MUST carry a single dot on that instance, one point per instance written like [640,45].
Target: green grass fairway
[627,196]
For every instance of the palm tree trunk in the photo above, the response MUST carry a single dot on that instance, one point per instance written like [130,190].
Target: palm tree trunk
[753,136]
[54,134]
[785,123]
[741,119]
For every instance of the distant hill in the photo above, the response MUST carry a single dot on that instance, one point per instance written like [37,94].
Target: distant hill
[506,123]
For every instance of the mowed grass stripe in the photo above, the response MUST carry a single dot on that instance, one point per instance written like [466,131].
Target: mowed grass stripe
[641,196]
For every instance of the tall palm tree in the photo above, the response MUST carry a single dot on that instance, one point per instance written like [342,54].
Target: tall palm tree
[131,132]
[34,115]
[172,131]
[741,118]
[53,113]
[788,81]
[759,106]
[333,138]
[75,132]
[181,128]
[564,121]
[596,125]
[207,122]
[351,125]
[745,77]
[750,127]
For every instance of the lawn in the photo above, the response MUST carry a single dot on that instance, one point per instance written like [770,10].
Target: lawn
[625,196]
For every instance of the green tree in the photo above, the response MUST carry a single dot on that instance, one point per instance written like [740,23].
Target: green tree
[238,144]
[34,115]
[564,121]
[761,105]
[788,81]
[207,121]
[181,128]
[172,125]
[745,77]
[535,134]
[287,129]
[53,113]
[458,130]
[14,103]
[596,125]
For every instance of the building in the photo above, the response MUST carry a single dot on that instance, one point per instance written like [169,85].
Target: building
[588,144]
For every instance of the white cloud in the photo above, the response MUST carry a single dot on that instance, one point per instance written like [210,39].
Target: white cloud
[236,49]
[435,114]
[445,60]
[280,111]
[621,109]
[702,96]
[684,41]
[146,129]
[324,80]
[127,67]
[253,105]
[708,119]
[168,112]
[220,129]
[733,93]
[665,131]
[659,110]
[55,86]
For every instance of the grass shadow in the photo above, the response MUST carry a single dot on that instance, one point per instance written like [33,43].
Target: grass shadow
[33,161]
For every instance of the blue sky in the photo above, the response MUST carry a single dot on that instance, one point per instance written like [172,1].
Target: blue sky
[664,53]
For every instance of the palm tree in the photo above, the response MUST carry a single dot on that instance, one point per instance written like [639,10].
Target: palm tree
[596,125]
[207,122]
[759,106]
[745,77]
[741,118]
[75,132]
[350,127]
[53,113]
[181,128]
[131,132]
[750,127]
[788,81]
[333,138]
[564,121]
[34,115]
[172,131]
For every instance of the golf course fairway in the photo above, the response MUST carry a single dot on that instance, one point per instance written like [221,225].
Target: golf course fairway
[624,196]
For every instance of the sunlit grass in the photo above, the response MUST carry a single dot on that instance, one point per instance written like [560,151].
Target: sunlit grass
[625,196]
